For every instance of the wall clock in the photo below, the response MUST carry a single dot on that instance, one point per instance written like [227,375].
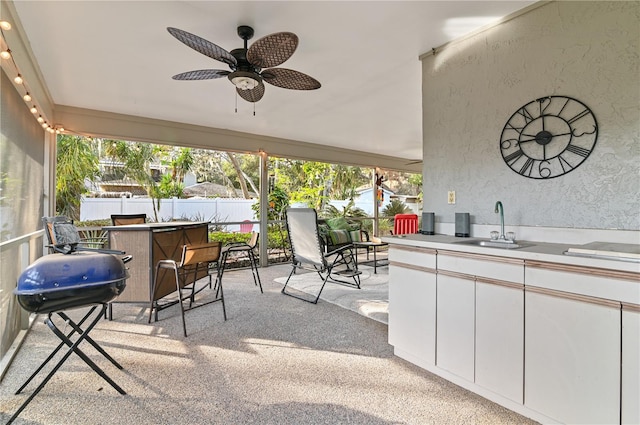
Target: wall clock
[548,137]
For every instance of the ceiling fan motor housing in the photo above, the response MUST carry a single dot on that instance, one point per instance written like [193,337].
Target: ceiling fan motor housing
[244,71]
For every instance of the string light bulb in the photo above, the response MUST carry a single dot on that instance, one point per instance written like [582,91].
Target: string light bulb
[5,53]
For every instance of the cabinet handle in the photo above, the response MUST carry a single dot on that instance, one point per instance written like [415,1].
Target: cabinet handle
[575,297]
[415,249]
[631,307]
[412,267]
[456,274]
[499,282]
[569,268]
[482,257]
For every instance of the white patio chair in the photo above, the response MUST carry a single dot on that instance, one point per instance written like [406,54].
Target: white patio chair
[302,225]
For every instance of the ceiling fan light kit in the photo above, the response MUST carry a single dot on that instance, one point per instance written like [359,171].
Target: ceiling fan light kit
[245,80]
[250,66]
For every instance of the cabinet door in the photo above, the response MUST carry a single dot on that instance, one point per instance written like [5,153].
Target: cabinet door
[572,358]
[412,312]
[630,365]
[500,339]
[456,325]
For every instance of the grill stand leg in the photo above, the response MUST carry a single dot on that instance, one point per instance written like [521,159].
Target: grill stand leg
[53,353]
[73,347]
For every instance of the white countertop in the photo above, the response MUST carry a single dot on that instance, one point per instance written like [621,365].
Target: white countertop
[538,251]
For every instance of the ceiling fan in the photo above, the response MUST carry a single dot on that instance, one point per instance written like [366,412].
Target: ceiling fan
[249,66]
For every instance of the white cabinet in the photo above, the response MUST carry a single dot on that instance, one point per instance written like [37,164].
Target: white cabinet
[412,312]
[412,304]
[553,341]
[456,324]
[499,347]
[572,357]
[481,320]
[630,364]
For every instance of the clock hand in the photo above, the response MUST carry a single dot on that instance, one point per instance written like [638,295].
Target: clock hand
[526,140]
[534,138]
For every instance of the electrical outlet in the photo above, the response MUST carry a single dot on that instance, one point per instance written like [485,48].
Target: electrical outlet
[451,197]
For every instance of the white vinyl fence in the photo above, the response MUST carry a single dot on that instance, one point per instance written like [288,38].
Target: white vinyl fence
[215,210]
[210,209]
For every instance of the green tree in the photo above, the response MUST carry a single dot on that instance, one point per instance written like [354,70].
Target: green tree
[136,159]
[179,161]
[77,162]
[278,204]
[169,188]
[348,211]
[345,181]
[396,206]
[314,183]
[236,171]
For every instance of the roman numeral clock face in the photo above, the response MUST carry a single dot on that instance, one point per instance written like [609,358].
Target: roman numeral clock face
[548,137]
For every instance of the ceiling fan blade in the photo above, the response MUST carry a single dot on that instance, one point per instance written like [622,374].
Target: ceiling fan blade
[289,79]
[272,50]
[203,46]
[252,95]
[201,74]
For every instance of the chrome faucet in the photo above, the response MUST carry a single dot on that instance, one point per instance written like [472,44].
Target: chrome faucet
[500,209]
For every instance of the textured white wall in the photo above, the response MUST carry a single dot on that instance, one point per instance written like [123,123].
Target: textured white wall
[586,50]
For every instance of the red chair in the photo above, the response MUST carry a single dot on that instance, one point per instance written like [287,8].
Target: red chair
[404,224]
[246,226]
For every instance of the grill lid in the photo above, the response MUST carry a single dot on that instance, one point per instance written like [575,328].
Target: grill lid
[56,272]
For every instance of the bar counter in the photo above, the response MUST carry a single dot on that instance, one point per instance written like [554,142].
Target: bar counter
[150,243]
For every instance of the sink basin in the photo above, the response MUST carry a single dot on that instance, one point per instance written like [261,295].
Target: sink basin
[493,244]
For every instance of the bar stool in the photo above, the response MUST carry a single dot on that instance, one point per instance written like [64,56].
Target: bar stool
[248,249]
[197,261]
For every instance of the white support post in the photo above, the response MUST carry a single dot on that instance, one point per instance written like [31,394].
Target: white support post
[264,207]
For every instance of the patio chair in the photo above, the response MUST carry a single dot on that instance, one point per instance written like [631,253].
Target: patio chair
[405,224]
[235,250]
[63,237]
[124,219]
[195,259]
[246,226]
[307,252]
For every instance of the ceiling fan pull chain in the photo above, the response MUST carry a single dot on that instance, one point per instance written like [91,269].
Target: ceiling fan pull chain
[254,109]
[236,102]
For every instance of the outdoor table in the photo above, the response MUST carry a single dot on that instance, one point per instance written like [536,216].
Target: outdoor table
[372,246]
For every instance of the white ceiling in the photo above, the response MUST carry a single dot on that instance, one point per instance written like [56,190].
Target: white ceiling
[117,56]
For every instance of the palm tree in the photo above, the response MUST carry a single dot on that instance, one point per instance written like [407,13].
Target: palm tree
[77,162]
[395,207]
[136,159]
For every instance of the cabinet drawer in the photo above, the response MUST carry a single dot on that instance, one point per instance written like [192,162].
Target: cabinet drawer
[506,269]
[589,281]
[422,257]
